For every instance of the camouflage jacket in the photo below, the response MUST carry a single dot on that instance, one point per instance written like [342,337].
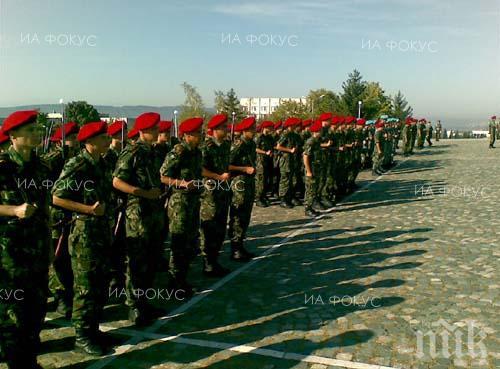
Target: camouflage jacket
[183,163]
[243,153]
[139,166]
[312,149]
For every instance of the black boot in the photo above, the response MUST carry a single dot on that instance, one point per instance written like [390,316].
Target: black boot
[318,205]
[286,204]
[261,203]
[310,212]
[64,305]
[214,269]
[239,253]
[296,202]
[87,344]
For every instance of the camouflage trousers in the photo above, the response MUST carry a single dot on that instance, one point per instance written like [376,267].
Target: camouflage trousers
[263,178]
[89,244]
[61,272]
[377,160]
[24,284]
[240,210]
[328,181]
[213,215]
[312,193]
[184,216]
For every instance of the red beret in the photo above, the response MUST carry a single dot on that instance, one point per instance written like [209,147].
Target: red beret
[190,125]
[164,126]
[18,119]
[341,119]
[217,120]
[146,120]
[133,133]
[349,119]
[245,125]
[494,117]
[116,127]
[92,129]
[69,128]
[278,124]
[266,124]
[316,126]
[3,137]
[360,122]
[292,121]
[307,122]
[325,116]
[379,123]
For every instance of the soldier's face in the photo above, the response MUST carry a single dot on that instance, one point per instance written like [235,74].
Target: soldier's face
[193,138]
[163,137]
[71,140]
[249,134]
[220,133]
[100,143]
[150,135]
[28,136]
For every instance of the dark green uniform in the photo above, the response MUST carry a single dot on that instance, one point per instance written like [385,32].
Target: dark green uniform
[87,181]
[24,259]
[287,164]
[413,136]
[313,150]
[378,156]
[138,165]
[420,135]
[60,273]
[183,163]
[263,181]
[492,131]
[214,201]
[242,154]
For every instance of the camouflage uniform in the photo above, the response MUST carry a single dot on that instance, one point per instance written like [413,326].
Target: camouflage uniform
[406,135]
[298,169]
[60,272]
[378,156]
[492,131]
[242,154]
[323,172]
[183,163]
[413,136]
[313,150]
[139,166]
[420,135]
[117,224]
[287,166]
[263,181]
[214,200]
[24,259]
[89,239]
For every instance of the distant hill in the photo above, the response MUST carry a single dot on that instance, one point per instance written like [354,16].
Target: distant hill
[167,112]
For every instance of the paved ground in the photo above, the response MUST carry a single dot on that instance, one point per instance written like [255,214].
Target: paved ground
[413,252]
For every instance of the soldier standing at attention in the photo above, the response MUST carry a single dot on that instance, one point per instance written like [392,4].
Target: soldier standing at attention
[429,133]
[264,143]
[492,129]
[312,165]
[162,146]
[438,130]
[90,237]
[378,154]
[278,130]
[118,133]
[60,272]
[182,172]
[324,175]
[287,162]
[406,135]
[414,130]
[137,175]
[24,239]
[216,196]
[242,164]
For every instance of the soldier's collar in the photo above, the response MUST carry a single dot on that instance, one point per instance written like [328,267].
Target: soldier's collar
[89,157]
[17,158]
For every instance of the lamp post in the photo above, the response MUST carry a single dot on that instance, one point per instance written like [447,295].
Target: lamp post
[176,131]
[63,134]
[359,108]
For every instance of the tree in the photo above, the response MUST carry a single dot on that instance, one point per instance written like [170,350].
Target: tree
[219,101]
[290,108]
[322,101]
[353,90]
[232,104]
[80,112]
[42,120]
[193,104]
[400,107]
[375,102]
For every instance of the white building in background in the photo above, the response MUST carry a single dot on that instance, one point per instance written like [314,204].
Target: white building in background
[113,119]
[260,107]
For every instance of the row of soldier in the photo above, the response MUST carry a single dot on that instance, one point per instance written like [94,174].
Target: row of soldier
[111,206]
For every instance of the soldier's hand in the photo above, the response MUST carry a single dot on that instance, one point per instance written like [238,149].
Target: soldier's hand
[269,153]
[98,209]
[152,194]
[225,176]
[309,174]
[24,211]
[292,151]
[250,170]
